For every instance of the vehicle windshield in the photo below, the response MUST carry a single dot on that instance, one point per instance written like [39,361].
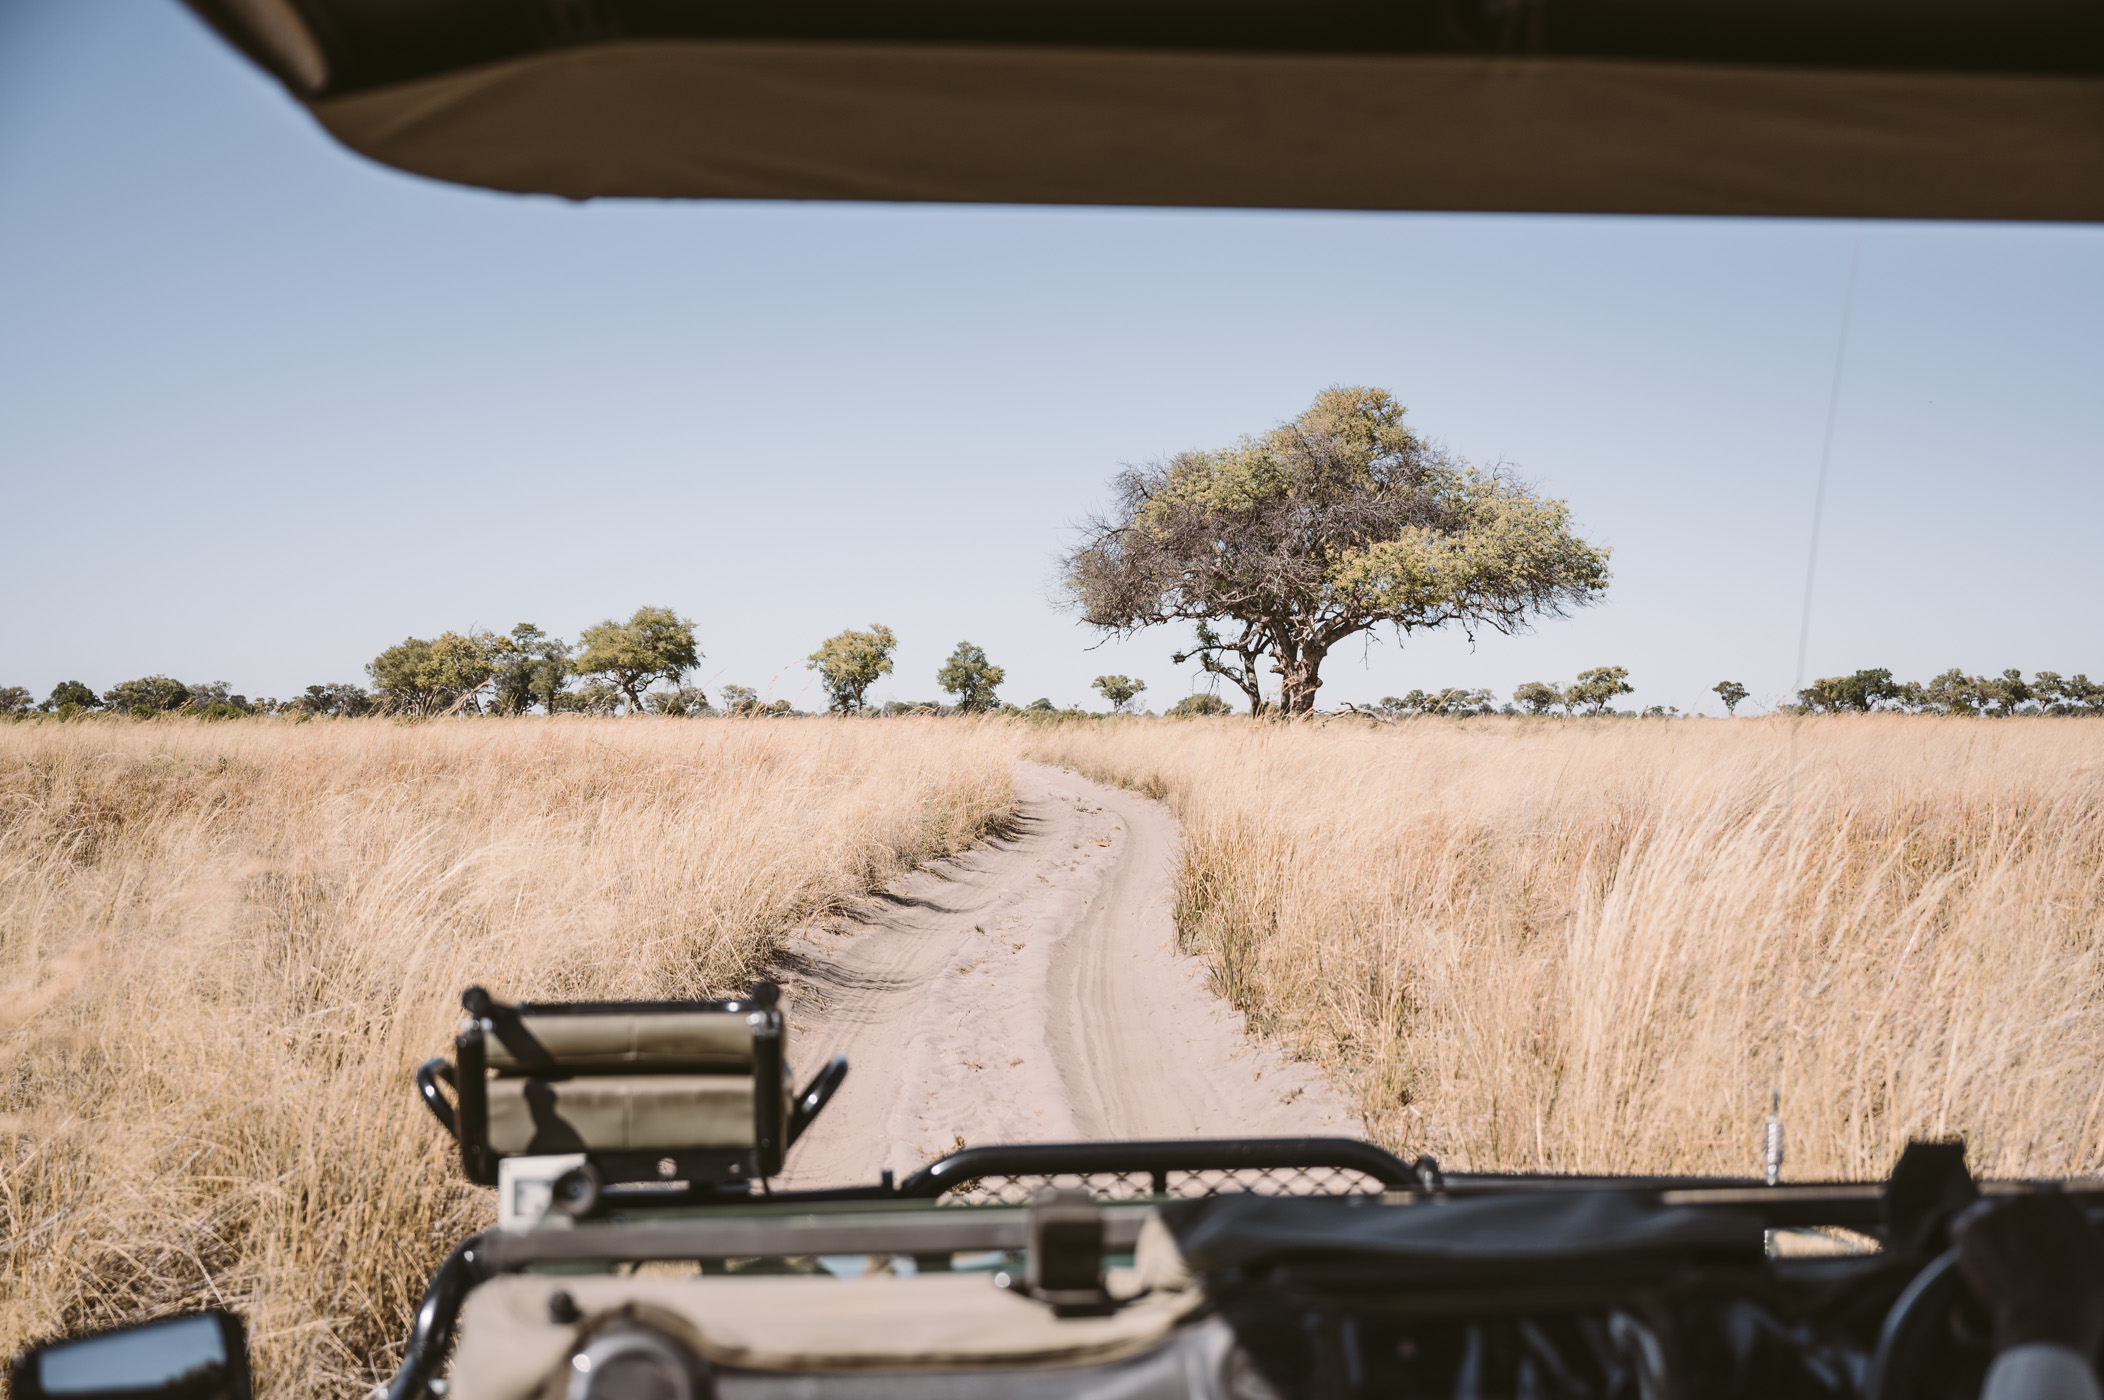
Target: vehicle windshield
[1550,694]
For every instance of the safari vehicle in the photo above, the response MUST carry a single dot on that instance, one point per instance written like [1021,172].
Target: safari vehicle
[641,1248]
[641,1253]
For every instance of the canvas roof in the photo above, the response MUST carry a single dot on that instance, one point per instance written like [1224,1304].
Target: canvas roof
[1952,109]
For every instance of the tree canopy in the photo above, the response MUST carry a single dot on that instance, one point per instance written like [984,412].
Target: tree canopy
[422,677]
[849,663]
[149,695]
[1953,692]
[688,700]
[1284,545]
[528,667]
[1199,703]
[1596,689]
[1119,690]
[335,698]
[970,677]
[1732,694]
[72,693]
[655,644]
[1453,701]
[1539,697]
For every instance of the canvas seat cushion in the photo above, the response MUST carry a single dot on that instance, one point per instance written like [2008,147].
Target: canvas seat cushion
[700,1041]
[609,1113]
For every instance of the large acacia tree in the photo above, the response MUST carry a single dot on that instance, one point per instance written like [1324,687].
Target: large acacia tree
[1284,545]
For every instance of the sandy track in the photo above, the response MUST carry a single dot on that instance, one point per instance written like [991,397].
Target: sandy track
[1029,990]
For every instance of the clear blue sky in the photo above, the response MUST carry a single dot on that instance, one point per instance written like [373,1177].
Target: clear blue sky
[266,408]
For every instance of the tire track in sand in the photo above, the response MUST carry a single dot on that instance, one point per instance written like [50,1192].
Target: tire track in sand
[1029,990]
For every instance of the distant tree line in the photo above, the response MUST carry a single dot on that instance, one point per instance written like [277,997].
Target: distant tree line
[149,695]
[1864,692]
[1955,693]
[641,667]
[1593,693]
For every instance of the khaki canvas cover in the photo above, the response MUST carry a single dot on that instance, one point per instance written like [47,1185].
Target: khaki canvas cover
[1966,109]
[614,1113]
[509,1346]
[689,1040]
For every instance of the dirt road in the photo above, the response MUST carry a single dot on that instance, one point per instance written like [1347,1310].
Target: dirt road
[1029,991]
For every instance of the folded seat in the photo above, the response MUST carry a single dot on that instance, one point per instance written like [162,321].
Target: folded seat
[694,1091]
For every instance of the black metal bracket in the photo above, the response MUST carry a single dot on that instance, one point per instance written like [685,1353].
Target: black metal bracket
[428,1074]
[435,1319]
[1929,1185]
[1065,1268]
[816,1095]
[471,1062]
[770,1112]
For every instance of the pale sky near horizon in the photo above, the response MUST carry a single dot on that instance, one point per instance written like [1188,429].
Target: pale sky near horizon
[267,408]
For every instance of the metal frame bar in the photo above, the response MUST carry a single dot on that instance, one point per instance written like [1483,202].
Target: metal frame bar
[944,1232]
[470,1082]
[1157,1159]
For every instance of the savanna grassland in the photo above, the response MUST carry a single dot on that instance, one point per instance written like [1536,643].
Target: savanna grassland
[224,948]
[1598,945]
[1564,944]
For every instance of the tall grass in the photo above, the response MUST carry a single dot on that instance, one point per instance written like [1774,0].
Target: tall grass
[1598,945]
[223,950]
[1566,945]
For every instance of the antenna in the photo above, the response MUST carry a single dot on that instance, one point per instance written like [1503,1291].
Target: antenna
[1804,642]
[1826,454]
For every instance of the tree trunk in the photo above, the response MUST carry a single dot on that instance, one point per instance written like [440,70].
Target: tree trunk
[1245,679]
[1300,676]
[1251,686]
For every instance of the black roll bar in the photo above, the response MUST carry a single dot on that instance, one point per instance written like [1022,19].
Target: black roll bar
[1158,1159]
[435,1319]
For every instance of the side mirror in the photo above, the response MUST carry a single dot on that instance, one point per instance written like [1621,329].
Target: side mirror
[203,1356]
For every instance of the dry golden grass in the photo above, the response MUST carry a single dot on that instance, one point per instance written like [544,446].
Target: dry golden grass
[224,949]
[1596,945]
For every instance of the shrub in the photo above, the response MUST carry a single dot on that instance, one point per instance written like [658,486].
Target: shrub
[72,693]
[1538,697]
[686,700]
[1119,690]
[1450,701]
[971,677]
[149,695]
[335,698]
